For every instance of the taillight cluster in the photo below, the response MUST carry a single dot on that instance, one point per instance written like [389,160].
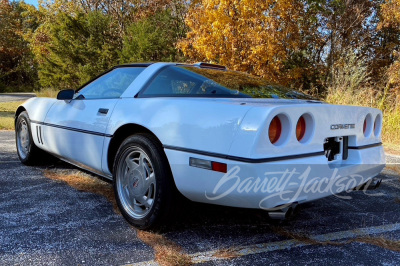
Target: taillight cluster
[372,126]
[279,128]
[275,130]
[301,128]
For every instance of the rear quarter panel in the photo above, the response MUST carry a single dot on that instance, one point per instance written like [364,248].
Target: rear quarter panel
[195,124]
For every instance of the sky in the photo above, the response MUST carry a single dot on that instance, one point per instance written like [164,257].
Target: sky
[32,2]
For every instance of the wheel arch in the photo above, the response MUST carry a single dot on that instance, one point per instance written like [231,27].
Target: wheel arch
[120,135]
[18,112]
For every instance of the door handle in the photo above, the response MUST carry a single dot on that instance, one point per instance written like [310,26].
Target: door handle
[103,111]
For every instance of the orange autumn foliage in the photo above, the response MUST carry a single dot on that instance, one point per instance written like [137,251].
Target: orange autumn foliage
[252,36]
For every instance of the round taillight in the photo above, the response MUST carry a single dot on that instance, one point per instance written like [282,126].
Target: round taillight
[300,128]
[275,130]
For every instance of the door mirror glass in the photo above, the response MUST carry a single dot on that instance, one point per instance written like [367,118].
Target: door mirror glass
[65,95]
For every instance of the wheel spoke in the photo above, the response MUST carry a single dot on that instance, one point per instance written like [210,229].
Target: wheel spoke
[146,170]
[144,201]
[130,163]
[150,180]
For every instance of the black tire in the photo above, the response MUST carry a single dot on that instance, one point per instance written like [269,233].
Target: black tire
[27,151]
[143,183]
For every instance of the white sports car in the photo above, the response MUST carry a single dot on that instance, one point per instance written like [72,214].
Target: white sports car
[156,129]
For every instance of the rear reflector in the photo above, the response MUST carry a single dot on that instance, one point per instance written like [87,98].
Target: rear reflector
[209,165]
[219,167]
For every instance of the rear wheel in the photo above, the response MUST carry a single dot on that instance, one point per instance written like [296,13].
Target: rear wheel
[143,184]
[27,151]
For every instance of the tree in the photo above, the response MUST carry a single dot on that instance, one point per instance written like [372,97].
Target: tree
[73,48]
[390,32]
[17,67]
[152,39]
[253,36]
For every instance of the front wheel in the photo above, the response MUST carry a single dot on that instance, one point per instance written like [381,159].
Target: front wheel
[28,152]
[143,183]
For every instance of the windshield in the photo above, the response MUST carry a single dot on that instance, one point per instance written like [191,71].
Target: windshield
[191,81]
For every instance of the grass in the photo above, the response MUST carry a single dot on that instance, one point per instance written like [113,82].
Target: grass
[7,111]
[392,148]
[393,167]
[49,93]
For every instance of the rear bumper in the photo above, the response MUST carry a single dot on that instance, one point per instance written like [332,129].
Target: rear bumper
[272,183]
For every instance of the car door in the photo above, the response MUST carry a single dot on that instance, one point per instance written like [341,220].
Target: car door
[75,129]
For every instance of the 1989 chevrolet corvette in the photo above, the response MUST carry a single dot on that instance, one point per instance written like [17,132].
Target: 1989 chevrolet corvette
[201,130]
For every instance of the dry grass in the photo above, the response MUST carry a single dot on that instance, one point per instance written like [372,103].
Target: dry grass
[7,111]
[166,252]
[393,167]
[49,93]
[9,107]
[392,148]
[6,121]
[84,182]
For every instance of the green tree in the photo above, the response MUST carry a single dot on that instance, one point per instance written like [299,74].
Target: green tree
[17,66]
[153,39]
[73,48]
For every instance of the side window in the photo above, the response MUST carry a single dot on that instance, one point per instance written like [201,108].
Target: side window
[110,85]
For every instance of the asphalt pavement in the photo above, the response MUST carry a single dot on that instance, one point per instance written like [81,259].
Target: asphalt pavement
[15,97]
[47,222]
[43,221]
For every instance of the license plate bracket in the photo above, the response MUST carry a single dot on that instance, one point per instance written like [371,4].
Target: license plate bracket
[332,147]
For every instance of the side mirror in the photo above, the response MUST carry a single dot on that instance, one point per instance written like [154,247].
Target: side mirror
[65,95]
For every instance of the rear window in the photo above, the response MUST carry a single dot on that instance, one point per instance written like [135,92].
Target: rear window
[191,81]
